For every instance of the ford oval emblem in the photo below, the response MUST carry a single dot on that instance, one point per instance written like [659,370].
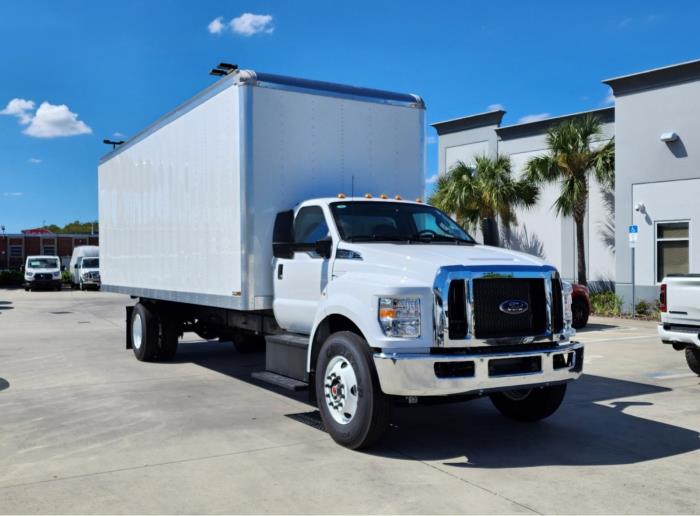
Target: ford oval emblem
[513,306]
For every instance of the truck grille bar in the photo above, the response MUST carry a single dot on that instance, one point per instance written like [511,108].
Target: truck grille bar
[482,306]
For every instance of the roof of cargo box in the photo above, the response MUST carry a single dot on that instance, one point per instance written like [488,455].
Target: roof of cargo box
[269,80]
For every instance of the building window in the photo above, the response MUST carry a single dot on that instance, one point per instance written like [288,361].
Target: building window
[16,251]
[672,244]
[49,250]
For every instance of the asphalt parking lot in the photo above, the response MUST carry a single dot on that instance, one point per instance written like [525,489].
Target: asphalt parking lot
[85,428]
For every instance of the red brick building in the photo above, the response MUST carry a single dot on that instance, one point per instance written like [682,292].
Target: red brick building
[15,248]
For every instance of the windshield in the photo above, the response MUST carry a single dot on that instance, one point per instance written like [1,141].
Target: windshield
[90,263]
[42,263]
[360,221]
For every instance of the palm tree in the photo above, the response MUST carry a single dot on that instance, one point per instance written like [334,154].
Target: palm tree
[479,194]
[571,158]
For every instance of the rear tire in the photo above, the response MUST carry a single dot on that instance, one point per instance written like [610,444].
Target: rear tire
[580,311]
[144,333]
[169,337]
[692,356]
[248,342]
[354,410]
[529,404]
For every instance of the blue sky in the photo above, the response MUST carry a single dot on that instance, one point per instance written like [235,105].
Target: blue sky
[86,70]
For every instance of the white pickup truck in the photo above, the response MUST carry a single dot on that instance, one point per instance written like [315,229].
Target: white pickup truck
[680,316]
[234,217]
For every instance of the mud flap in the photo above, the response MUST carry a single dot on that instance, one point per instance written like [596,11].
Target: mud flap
[129,344]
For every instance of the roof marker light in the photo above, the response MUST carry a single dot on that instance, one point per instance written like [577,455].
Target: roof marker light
[418,199]
[341,195]
[368,196]
[383,196]
[398,197]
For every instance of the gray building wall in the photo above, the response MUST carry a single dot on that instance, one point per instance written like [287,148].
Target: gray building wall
[664,177]
[539,231]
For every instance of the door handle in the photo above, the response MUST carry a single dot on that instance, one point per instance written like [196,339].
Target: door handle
[280,270]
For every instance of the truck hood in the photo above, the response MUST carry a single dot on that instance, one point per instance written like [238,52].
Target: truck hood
[42,271]
[420,262]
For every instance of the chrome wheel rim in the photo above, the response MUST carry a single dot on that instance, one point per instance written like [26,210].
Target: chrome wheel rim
[341,390]
[517,395]
[136,332]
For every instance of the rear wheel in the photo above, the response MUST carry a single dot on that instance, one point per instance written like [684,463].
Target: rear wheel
[529,404]
[144,333]
[692,356]
[354,410]
[580,312]
[169,337]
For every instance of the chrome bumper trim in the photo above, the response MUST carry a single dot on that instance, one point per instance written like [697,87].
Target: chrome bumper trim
[414,374]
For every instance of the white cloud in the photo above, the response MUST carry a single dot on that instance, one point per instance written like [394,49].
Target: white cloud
[248,24]
[20,108]
[118,135]
[533,118]
[13,194]
[34,161]
[216,26]
[609,98]
[51,121]
[48,121]
[496,107]
[431,180]
[431,140]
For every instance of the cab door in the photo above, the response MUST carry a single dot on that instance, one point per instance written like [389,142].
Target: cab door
[301,276]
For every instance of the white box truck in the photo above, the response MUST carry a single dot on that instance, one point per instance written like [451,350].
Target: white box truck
[283,213]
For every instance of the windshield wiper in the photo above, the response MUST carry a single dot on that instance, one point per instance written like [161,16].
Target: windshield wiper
[438,238]
[375,238]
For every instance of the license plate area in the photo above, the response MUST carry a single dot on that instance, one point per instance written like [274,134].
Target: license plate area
[515,366]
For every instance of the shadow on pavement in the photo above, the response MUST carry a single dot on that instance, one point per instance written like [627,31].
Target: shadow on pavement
[6,305]
[4,384]
[597,327]
[474,435]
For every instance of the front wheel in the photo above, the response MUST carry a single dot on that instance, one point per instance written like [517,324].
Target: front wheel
[692,356]
[529,404]
[353,408]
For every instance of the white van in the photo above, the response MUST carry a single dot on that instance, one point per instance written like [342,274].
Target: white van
[42,271]
[84,267]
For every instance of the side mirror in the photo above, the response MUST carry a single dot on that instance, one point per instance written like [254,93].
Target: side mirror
[282,235]
[324,247]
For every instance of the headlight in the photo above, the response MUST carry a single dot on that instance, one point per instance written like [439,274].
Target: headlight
[566,290]
[86,275]
[400,317]
[56,274]
[29,274]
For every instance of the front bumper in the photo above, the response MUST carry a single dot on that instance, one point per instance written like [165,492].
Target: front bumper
[404,374]
[42,283]
[680,335]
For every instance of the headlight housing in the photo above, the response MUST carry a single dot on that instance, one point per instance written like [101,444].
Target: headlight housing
[57,274]
[28,274]
[566,291]
[400,317]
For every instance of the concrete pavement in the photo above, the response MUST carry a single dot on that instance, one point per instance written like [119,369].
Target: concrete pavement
[85,428]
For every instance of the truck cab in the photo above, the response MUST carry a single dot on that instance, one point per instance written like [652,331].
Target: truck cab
[680,316]
[399,288]
[42,272]
[88,272]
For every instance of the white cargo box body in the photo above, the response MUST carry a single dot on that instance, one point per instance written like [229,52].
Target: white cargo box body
[187,206]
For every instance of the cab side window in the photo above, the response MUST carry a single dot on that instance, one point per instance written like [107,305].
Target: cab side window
[310,225]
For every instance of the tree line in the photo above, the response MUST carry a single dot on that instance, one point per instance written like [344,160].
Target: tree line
[75,227]
[485,193]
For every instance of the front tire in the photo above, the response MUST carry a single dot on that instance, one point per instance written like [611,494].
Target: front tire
[529,404]
[692,356]
[354,410]
[144,333]
[580,312]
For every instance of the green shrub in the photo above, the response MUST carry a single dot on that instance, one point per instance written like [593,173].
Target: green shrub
[11,278]
[65,276]
[642,308]
[606,303]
